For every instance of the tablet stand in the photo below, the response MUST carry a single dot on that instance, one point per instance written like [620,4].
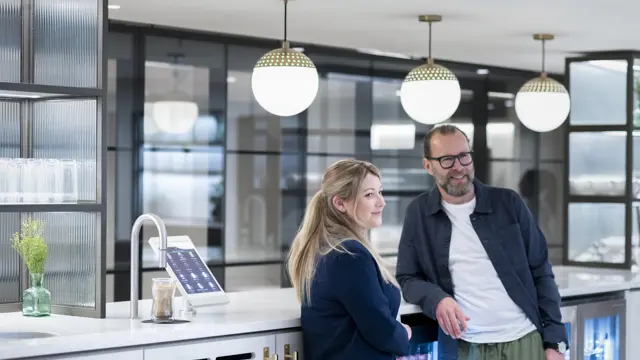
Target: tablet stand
[187,310]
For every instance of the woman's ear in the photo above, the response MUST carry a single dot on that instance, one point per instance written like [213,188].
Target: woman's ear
[338,203]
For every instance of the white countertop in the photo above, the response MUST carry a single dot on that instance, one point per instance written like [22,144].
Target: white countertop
[247,312]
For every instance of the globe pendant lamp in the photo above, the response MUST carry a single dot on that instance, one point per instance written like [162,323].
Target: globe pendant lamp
[177,113]
[284,81]
[542,104]
[430,93]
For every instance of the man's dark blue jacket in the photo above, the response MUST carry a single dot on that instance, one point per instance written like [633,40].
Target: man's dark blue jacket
[515,245]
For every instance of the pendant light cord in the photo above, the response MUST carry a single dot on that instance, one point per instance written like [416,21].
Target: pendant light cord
[430,39]
[285,20]
[543,55]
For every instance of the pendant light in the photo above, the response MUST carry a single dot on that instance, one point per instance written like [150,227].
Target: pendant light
[177,113]
[284,81]
[430,93]
[542,104]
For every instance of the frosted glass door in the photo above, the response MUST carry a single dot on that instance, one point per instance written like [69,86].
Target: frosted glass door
[603,330]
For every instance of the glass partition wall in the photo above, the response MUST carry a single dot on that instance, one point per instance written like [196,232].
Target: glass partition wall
[237,179]
[604,182]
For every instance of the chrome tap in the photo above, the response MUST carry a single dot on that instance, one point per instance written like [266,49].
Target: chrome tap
[135,251]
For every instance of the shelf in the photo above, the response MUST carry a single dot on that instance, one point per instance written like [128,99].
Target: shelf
[23,208]
[19,91]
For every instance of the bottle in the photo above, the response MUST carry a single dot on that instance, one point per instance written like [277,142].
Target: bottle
[423,352]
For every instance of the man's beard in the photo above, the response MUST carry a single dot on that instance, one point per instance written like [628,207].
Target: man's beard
[456,190]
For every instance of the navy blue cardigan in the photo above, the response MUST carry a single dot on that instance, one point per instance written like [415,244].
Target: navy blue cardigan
[353,310]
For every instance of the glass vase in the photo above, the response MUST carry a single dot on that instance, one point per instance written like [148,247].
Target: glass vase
[36,300]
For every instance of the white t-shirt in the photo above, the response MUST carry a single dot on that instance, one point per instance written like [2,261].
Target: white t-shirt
[495,318]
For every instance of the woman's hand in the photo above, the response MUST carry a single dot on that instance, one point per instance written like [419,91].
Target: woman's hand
[408,328]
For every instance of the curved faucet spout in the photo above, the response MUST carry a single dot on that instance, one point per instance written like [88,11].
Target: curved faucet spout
[135,255]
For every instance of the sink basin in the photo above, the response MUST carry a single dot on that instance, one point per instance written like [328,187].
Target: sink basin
[22,335]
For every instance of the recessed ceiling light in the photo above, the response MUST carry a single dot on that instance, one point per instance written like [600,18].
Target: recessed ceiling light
[114,7]
[482,71]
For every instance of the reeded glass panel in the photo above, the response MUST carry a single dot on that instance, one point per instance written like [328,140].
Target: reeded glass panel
[597,163]
[65,42]
[10,133]
[74,241]
[67,129]
[10,40]
[598,92]
[596,232]
[10,290]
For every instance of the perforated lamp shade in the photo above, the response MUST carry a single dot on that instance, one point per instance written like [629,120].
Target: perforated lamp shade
[284,82]
[542,104]
[430,94]
[175,117]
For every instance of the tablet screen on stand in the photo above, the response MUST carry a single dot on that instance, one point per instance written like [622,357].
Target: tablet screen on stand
[194,280]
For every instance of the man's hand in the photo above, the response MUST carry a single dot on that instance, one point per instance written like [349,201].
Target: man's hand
[451,319]
[551,354]
[408,328]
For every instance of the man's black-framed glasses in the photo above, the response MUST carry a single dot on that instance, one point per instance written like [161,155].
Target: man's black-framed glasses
[447,161]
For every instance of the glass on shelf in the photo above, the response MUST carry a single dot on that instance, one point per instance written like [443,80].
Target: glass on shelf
[596,232]
[598,92]
[602,338]
[38,181]
[597,163]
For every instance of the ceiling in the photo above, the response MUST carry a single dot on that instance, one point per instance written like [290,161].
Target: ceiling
[488,32]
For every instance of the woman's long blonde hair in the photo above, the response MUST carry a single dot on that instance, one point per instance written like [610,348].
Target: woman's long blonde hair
[324,228]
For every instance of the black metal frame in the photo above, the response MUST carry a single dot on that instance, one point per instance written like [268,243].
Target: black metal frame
[25,86]
[376,68]
[628,127]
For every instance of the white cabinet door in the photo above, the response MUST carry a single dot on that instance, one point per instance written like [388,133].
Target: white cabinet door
[104,355]
[633,323]
[289,345]
[248,347]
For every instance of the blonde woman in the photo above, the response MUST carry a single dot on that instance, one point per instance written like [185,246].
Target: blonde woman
[349,300]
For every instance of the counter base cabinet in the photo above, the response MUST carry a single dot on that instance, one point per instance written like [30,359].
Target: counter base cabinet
[289,343]
[245,347]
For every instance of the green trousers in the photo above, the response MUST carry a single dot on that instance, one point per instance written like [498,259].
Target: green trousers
[528,347]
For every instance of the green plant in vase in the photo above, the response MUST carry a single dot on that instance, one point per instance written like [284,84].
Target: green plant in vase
[30,244]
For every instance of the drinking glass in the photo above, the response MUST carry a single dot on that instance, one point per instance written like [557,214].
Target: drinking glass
[70,180]
[162,290]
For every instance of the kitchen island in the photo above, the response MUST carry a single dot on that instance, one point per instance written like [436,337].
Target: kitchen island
[254,324]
